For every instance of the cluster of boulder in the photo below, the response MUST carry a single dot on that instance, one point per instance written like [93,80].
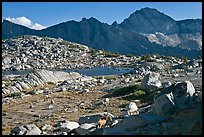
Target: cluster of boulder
[33,52]
[45,77]
[172,98]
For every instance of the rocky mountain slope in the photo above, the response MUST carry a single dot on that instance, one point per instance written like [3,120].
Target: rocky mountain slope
[127,37]
[163,29]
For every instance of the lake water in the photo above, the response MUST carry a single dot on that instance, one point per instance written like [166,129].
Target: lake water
[97,71]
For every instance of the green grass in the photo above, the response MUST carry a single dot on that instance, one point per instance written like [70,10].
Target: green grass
[125,90]
[73,46]
[109,77]
[16,94]
[133,92]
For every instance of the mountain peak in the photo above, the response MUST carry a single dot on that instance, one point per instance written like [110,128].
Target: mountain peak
[91,19]
[148,9]
[114,24]
[148,20]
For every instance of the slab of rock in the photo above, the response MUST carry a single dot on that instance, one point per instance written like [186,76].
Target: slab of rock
[92,118]
[166,84]
[164,104]
[24,85]
[150,81]
[31,129]
[85,128]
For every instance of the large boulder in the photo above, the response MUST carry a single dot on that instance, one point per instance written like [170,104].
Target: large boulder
[132,108]
[31,129]
[68,126]
[181,91]
[150,81]
[176,96]
[163,104]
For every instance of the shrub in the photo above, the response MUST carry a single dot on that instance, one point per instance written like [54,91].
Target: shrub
[50,83]
[91,50]
[185,60]
[111,54]
[73,46]
[139,93]
[129,55]
[64,42]
[16,94]
[147,58]
[158,56]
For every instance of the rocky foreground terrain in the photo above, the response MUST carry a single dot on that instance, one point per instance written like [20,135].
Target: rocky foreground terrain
[160,96]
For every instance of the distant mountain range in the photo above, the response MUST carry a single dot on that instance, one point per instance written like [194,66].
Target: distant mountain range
[146,31]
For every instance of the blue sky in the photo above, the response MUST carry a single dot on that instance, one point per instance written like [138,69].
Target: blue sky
[51,13]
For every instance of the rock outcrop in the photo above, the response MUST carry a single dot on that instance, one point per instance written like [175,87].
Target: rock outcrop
[176,96]
[43,77]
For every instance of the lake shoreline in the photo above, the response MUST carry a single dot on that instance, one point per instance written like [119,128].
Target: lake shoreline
[95,71]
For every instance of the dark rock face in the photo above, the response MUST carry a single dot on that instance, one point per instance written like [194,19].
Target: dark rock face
[97,35]
[149,20]
[10,30]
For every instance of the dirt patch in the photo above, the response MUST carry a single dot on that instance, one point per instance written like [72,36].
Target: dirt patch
[49,109]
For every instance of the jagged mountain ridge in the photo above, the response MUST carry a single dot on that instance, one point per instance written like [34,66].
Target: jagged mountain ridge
[151,22]
[148,21]
[99,35]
